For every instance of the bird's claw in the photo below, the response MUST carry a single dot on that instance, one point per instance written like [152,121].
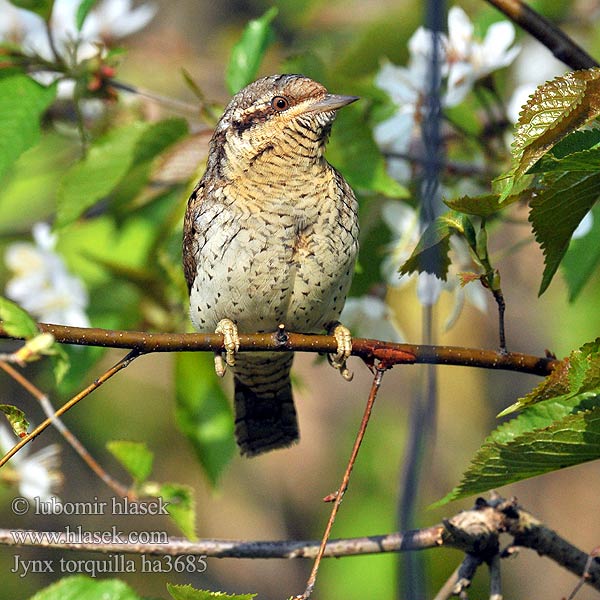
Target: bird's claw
[231,340]
[344,349]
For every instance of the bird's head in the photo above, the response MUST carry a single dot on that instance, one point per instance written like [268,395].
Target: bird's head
[285,116]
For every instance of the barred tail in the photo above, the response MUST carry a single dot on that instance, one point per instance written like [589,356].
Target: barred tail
[265,417]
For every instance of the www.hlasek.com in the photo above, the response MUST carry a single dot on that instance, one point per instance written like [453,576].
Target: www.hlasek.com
[79,535]
[113,563]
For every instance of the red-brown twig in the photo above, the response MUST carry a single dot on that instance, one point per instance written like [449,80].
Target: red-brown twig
[379,370]
[371,350]
[124,362]
[42,398]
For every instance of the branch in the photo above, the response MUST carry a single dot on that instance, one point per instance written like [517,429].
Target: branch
[556,40]
[282,341]
[122,364]
[475,532]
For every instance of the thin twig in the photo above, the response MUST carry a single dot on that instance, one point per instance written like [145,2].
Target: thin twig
[51,42]
[173,103]
[124,362]
[379,371]
[556,40]
[367,349]
[593,554]
[47,407]
[474,532]
[410,541]
[447,590]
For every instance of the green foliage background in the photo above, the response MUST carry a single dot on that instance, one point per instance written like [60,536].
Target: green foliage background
[125,243]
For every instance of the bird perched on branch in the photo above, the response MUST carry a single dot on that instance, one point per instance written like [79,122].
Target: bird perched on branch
[270,238]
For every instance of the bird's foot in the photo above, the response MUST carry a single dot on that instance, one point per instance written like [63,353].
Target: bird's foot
[344,349]
[231,341]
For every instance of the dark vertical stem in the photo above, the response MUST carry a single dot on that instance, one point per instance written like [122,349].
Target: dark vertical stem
[423,413]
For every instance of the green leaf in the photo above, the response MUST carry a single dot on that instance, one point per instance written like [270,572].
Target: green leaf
[556,109]
[108,161]
[82,12]
[559,427]
[158,137]
[353,151]
[91,179]
[187,592]
[181,507]
[134,456]
[557,211]
[15,321]
[578,141]
[563,442]
[22,103]
[203,412]
[431,253]
[482,206]
[61,363]
[578,376]
[17,419]
[43,8]
[82,586]
[582,257]
[248,52]
[586,160]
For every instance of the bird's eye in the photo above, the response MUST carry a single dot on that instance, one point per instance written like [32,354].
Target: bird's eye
[280,103]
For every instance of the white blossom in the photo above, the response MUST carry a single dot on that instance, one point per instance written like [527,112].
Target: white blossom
[108,20]
[463,60]
[469,59]
[584,227]
[41,282]
[37,474]
[370,317]
[406,88]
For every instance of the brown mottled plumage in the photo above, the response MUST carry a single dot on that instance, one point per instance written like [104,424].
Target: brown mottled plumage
[270,237]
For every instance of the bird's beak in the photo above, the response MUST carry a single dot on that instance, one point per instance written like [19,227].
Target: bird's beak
[331,102]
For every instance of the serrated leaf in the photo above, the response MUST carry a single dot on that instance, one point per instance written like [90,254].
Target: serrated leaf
[556,109]
[577,376]
[577,141]
[82,12]
[22,103]
[203,412]
[353,151]
[77,587]
[481,206]
[248,52]
[564,442]
[181,507]
[17,419]
[582,257]
[586,160]
[559,427]
[187,592]
[557,211]
[134,456]
[43,8]
[15,321]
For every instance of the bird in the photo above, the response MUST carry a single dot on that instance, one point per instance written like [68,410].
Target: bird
[270,239]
